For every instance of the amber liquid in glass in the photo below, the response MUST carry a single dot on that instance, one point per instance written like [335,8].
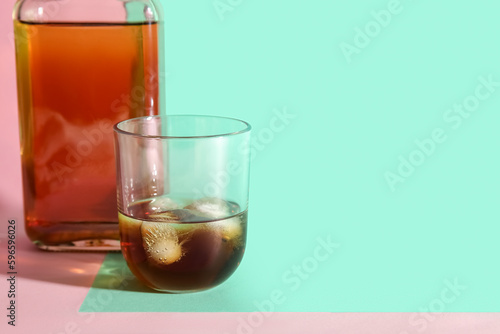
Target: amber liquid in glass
[178,251]
[74,82]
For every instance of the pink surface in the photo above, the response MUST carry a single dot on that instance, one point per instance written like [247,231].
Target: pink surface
[52,286]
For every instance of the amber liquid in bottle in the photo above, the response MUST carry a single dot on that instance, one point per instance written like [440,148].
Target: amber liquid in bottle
[74,82]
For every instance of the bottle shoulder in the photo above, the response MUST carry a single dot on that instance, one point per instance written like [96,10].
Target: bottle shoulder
[88,11]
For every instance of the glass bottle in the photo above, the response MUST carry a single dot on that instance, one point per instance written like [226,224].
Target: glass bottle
[82,65]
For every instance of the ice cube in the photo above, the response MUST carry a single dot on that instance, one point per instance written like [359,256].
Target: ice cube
[229,229]
[161,243]
[166,216]
[174,216]
[163,203]
[211,207]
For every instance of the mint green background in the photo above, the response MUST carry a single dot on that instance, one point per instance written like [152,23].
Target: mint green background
[324,173]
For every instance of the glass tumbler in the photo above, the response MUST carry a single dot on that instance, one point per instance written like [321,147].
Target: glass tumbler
[182,186]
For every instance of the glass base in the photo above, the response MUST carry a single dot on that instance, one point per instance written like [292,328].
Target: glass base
[96,245]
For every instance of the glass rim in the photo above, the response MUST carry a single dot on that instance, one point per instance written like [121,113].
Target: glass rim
[116,128]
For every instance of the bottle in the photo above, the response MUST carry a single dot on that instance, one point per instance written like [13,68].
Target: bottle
[82,66]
